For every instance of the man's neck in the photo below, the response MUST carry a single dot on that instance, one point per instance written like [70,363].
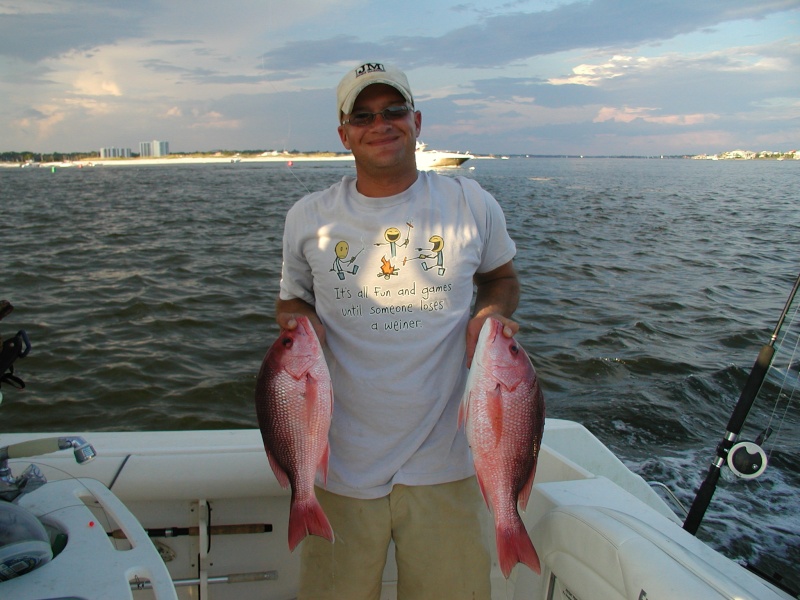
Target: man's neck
[382,185]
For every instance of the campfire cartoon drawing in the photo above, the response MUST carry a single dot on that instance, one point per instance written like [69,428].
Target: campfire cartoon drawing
[387,270]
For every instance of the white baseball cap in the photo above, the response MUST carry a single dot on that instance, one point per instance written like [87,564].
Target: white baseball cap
[354,82]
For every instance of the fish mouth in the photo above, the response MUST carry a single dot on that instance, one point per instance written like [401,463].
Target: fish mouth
[489,331]
[305,326]
[494,329]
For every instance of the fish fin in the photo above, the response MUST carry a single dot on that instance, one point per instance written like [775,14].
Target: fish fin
[525,493]
[494,409]
[326,455]
[509,377]
[514,546]
[312,391]
[277,469]
[308,518]
[322,467]
[299,366]
[483,490]
[330,399]
[463,410]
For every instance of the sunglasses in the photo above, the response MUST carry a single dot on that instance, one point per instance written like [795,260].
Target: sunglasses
[364,118]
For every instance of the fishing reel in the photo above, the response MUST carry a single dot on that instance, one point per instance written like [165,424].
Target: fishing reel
[747,460]
[10,350]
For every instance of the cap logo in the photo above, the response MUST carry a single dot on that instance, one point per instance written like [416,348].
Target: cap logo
[369,68]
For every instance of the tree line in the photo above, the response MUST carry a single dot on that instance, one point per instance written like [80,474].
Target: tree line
[26,156]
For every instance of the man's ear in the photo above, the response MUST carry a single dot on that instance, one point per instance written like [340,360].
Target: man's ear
[343,137]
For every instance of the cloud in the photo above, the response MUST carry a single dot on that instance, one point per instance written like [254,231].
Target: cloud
[509,76]
[626,97]
[93,84]
[587,74]
[161,66]
[502,39]
[215,120]
[628,114]
[39,122]
[48,30]
[295,56]
[174,42]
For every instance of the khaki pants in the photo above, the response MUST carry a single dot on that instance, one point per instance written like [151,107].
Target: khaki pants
[439,539]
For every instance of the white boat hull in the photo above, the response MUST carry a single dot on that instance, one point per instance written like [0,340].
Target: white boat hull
[600,530]
[437,159]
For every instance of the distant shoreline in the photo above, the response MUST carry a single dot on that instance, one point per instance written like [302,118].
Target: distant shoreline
[183,160]
[190,159]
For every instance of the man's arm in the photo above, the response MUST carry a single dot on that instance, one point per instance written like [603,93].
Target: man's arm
[498,297]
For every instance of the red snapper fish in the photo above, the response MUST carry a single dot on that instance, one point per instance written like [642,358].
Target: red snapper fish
[294,402]
[502,411]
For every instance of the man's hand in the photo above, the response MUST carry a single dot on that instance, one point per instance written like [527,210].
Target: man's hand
[287,311]
[510,329]
[498,297]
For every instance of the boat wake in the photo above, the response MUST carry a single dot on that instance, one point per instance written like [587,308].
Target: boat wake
[754,523]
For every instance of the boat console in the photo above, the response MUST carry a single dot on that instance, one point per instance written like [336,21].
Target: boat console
[78,513]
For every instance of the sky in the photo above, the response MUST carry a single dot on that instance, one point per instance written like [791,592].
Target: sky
[591,77]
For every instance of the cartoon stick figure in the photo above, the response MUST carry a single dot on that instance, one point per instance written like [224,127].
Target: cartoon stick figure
[438,245]
[392,235]
[339,264]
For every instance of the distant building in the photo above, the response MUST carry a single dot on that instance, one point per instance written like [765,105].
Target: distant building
[154,148]
[115,153]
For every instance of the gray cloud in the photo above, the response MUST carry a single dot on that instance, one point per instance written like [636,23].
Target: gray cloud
[31,37]
[501,39]
[221,80]
[294,57]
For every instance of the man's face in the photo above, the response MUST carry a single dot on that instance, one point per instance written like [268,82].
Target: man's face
[383,143]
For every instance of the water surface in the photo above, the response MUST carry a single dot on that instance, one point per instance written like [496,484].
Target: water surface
[648,288]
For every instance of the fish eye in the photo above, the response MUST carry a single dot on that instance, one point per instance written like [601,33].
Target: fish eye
[514,349]
[287,342]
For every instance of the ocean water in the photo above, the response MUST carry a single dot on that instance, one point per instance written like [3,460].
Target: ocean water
[649,287]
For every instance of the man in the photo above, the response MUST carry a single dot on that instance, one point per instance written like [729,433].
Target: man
[398,337]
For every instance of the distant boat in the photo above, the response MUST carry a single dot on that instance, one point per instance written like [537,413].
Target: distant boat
[436,159]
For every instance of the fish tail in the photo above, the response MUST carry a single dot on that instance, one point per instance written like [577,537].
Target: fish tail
[308,518]
[515,546]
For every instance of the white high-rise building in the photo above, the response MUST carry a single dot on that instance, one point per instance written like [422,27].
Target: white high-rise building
[115,153]
[154,148]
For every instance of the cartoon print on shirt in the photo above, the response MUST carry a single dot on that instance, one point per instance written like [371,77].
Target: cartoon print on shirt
[340,265]
[392,236]
[437,243]
[431,259]
[387,269]
[413,292]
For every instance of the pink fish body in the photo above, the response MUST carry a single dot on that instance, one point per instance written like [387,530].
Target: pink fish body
[503,414]
[294,402]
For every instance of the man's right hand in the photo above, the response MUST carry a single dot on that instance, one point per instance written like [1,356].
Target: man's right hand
[287,311]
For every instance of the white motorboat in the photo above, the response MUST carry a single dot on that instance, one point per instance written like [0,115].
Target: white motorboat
[436,159]
[198,514]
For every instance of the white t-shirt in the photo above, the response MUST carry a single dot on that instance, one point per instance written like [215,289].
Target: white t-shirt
[391,281]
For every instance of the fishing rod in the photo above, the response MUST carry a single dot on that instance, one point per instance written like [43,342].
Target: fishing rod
[735,424]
